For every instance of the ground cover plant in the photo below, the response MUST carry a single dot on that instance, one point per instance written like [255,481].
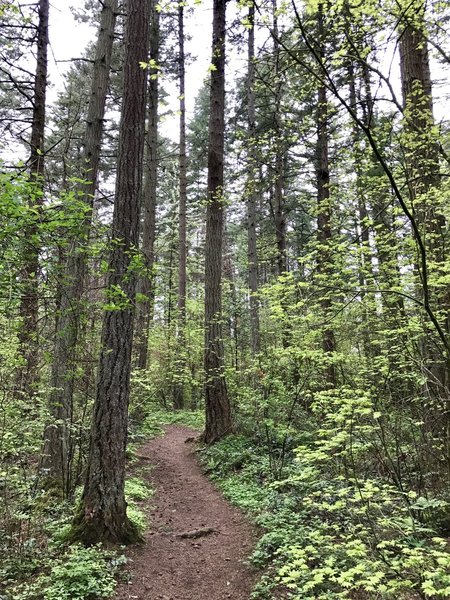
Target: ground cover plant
[332,528]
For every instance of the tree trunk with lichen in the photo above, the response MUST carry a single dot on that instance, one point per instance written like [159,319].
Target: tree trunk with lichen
[421,152]
[217,405]
[102,516]
[27,374]
[58,451]
[145,285]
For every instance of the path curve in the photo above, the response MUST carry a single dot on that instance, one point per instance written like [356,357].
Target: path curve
[173,563]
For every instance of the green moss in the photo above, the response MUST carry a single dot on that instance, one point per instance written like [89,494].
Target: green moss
[93,532]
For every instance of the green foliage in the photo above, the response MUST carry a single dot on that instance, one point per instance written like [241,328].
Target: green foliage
[234,455]
[171,366]
[79,574]
[189,418]
[137,517]
[158,417]
[137,489]
[359,538]
[329,531]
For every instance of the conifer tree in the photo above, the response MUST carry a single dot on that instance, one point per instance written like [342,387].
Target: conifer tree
[251,195]
[217,405]
[146,282]
[102,515]
[58,450]
[182,209]
[29,309]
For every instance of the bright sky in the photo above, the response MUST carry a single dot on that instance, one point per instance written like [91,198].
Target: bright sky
[68,39]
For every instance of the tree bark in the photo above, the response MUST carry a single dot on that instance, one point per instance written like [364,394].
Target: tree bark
[178,399]
[102,517]
[324,235]
[29,303]
[252,252]
[422,152]
[279,208]
[145,289]
[182,174]
[422,161]
[217,405]
[58,451]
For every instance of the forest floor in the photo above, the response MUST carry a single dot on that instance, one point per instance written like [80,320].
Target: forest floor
[196,544]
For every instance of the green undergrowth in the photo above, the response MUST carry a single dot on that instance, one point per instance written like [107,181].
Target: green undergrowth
[78,573]
[158,417]
[48,568]
[328,535]
[136,491]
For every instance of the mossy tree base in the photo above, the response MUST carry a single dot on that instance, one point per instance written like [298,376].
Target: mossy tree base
[90,531]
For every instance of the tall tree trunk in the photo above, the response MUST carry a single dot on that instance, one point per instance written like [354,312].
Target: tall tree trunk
[58,449]
[182,175]
[252,253]
[29,304]
[217,405]
[324,236]
[365,271]
[421,151]
[145,288]
[379,201]
[102,515]
[278,196]
[422,158]
[178,399]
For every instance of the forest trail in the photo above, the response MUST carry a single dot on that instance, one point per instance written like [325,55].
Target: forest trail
[197,543]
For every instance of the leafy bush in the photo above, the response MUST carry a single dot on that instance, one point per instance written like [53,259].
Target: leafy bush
[332,528]
[80,574]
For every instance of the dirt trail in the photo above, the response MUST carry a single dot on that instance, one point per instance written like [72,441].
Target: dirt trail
[197,543]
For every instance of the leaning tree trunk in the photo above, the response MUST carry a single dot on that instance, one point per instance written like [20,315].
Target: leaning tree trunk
[29,304]
[217,405]
[58,451]
[145,286]
[102,516]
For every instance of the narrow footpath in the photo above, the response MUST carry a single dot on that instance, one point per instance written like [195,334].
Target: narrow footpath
[197,543]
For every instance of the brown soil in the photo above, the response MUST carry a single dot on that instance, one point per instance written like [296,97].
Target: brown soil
[197,543]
